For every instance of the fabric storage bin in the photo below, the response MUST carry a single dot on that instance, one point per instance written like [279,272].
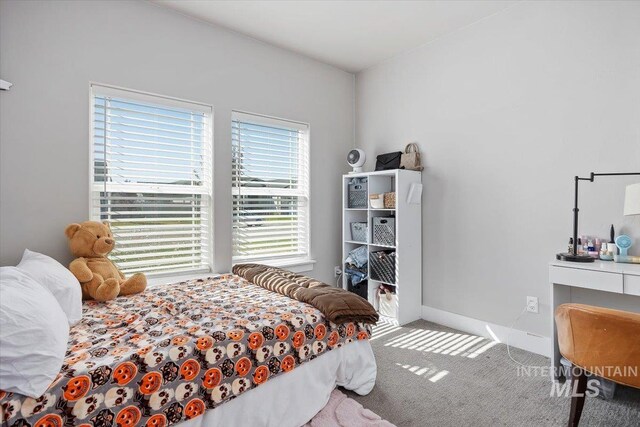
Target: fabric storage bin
[361,288]
[387,303]
[357,193]
[376,201]
[382,266]
[359,231]
[390,200]
[384,231]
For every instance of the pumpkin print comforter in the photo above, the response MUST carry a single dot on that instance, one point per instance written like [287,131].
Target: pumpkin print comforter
[173,352]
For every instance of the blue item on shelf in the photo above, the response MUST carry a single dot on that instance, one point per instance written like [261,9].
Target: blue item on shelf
[359,256]
[356,275]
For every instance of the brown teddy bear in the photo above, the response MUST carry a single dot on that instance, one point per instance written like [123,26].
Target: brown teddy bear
[99,278]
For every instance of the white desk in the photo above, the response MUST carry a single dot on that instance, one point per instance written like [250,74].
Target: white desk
[604,276]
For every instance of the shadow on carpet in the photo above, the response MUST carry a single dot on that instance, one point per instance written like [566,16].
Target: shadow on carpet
[431,375]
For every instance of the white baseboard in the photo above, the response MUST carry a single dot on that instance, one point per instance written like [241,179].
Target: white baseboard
[516,338]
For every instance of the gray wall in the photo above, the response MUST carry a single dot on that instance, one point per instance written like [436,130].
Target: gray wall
[507,111]
[50,51]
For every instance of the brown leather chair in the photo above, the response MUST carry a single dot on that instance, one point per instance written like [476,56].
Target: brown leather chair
[601,341]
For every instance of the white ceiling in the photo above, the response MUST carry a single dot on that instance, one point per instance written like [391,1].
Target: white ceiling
[352,35]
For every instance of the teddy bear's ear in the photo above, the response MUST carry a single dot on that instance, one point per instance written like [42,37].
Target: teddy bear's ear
[71,230]
[107,224]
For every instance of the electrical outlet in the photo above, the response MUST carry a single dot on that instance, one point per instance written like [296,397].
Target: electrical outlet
[532,304]
[337,271]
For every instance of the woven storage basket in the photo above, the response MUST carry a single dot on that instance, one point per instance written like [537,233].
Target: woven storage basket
[382,266]
[359,231]
[384,231]
[358,195]
[390,200]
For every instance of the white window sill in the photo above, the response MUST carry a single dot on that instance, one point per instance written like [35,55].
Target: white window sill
[164,280]
[297,265]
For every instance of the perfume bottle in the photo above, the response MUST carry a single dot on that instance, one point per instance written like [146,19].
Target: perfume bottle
[570,247]
[603,250]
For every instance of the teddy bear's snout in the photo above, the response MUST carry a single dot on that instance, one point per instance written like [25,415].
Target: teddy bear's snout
[103,246]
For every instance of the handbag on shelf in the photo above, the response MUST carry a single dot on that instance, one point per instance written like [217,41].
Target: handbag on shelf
[387,302]
[388,161]
[411,158]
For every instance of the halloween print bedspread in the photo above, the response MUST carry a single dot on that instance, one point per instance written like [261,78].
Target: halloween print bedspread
[173,352]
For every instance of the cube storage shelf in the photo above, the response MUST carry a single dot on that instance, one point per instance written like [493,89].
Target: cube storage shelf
[407,224]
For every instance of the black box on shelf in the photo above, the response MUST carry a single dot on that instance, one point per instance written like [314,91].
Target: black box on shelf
[361,288]
[382,266]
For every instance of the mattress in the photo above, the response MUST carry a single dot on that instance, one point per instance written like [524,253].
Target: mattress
[177,351]
[291,400]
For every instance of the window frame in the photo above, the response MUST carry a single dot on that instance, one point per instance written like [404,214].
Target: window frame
[294,262]
[106,90]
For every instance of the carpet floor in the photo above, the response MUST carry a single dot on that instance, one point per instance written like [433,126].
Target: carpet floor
[430,375]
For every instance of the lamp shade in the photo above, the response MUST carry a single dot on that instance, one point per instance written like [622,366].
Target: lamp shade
[632,199]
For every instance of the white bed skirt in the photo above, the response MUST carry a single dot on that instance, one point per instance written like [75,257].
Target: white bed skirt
[292,399]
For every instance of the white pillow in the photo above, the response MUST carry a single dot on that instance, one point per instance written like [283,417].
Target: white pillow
[54,276]
[33,334]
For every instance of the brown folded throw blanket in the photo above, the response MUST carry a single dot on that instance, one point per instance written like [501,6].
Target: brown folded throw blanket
[337,305]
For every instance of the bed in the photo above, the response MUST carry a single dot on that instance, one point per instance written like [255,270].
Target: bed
[208,352]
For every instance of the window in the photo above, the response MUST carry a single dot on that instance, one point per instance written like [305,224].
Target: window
[152,179]
[270,189]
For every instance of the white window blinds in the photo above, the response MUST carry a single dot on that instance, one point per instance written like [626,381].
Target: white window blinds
[270,188]
[152,179]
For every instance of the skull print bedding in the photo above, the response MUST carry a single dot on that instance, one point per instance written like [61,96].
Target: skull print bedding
[175,351]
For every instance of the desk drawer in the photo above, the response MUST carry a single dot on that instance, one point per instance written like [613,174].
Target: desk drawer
[632,285]
[589,279]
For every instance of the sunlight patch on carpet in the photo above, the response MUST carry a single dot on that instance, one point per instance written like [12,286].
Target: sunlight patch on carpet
[450,343]
[433,373]
[384,327]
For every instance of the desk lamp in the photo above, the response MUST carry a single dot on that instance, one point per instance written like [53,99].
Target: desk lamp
[631,207]
[632,202]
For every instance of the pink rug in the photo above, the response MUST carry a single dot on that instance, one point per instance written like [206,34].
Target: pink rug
[342,411]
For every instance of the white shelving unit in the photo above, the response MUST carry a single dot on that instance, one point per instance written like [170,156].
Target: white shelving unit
[408,237]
